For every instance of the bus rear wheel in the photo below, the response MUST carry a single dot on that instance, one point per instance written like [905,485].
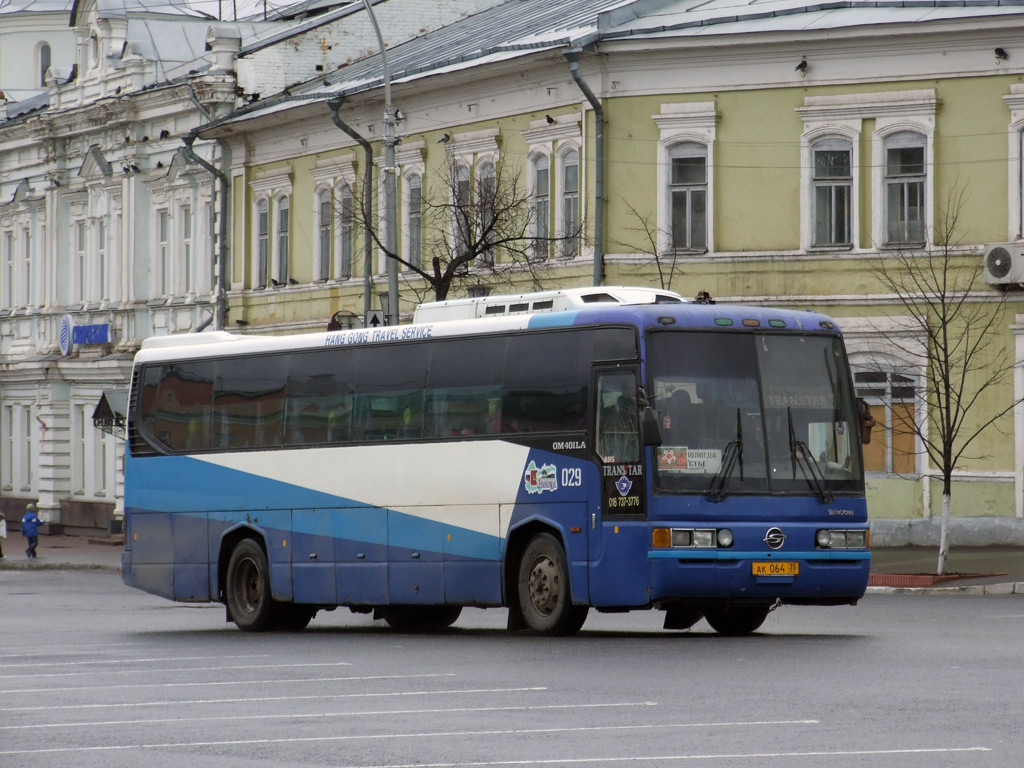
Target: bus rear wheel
[737,619]
[421,618]
[545,601]
[248,587]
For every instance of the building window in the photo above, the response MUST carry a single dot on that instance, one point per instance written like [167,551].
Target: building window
[890,397]
[262,243]
[44,63]
[833,185]
[101,257]
[26,448]
[186,245]
[346,230]
[79,451]
[570,203]
[283,213]
[163,268]
[904,189]
[81,245]
[486,191]
[414,220]
[541,203]
[688,195]
[323,230]
[26,253]
[463,215]
[8,276]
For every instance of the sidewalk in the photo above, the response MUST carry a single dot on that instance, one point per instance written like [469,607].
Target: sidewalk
[98,552]
[980,570]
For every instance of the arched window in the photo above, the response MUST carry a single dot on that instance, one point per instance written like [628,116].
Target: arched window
[904,188]
[414,219]
[462,209]
[44,63]
[346,229]
[541,202]
[324,216]
[283,239]
[486,210]
[833,184]
[262,242]
[570,161]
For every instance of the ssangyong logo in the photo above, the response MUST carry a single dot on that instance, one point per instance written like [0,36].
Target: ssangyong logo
[775,538]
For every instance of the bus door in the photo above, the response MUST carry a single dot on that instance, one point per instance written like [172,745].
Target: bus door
[618,526]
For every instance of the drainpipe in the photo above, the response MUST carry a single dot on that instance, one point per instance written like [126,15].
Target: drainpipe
[222,247]
[334,105]
[573,57]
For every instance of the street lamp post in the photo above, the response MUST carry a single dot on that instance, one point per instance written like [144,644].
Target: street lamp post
[390,182]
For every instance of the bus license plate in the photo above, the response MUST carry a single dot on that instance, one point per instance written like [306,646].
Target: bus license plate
[776,569]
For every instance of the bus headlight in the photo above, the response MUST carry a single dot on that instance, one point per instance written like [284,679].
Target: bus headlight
[842,539]
[690,538]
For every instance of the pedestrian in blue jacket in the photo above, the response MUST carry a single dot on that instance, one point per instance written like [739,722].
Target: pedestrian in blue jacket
[30,529]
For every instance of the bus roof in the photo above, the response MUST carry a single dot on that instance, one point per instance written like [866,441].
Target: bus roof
[679,316]
[541,301]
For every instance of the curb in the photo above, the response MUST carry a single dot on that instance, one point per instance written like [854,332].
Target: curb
[48,566]
[1007,588]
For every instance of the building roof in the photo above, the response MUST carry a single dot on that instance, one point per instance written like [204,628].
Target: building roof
[520,27]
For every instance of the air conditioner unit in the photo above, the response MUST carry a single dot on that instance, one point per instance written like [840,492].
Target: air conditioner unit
[1004,263]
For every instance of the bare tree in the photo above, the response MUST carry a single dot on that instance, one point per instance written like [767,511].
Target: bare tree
[959,349]
[648,240]
[477,229]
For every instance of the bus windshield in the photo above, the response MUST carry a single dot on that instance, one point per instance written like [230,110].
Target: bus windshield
[754,413]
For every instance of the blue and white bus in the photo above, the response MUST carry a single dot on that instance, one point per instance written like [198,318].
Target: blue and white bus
[699,459]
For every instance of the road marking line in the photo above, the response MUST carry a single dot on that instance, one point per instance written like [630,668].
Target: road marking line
[254,699]
[309,716]
[303,680]
[150,670]
[122,662]
[440,734]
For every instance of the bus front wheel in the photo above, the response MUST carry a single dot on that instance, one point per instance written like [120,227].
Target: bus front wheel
[248,587]
[737,619]
[545,602]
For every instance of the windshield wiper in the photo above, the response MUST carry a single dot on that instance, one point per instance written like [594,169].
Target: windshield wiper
[732,455]
[800,454]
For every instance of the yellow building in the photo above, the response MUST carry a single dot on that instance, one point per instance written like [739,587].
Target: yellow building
[792,156]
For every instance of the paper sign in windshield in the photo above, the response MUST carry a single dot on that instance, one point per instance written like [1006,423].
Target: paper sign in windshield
[703,461]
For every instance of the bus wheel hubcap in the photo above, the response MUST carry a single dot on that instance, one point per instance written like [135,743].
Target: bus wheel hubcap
[544,586]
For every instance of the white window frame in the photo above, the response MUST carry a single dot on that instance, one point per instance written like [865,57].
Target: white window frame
[1015,181]
[568,203]
[540,204]
[905,139]
[188,225]
[162,228]
[261,250]
[687,149]
[485,171]
[828,135]
[412,217]
[893,344]
[685,124]
[323,243]
[269,188]
[547,137]
[8,278]
[338,175]
[282,238]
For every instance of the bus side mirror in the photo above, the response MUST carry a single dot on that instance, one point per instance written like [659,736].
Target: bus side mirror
[650,426]
[867,421]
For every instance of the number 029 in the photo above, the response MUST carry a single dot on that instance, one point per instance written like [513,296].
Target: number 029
[572,476]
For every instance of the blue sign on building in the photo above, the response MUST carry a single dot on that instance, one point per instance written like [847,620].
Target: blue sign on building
[91,334]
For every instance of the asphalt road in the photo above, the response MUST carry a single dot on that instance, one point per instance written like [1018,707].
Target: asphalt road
[95,674]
